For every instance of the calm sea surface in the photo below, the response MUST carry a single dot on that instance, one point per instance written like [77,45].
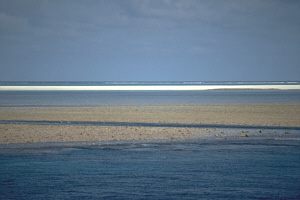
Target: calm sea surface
[211,169]
[255,169]
[82,98]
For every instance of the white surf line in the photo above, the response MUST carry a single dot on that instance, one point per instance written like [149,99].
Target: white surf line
[149,87]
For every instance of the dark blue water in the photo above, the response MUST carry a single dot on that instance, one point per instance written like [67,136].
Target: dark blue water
[236,169]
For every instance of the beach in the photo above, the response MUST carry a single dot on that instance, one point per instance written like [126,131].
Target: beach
[279,115]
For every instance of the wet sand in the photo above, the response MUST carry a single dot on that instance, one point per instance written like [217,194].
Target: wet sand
[227,114]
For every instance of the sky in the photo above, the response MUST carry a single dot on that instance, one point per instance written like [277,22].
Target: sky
[150,40]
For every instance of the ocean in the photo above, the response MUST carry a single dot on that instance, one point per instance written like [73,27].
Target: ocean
[252,168]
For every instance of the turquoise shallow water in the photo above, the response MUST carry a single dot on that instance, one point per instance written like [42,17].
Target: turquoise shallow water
[95,98]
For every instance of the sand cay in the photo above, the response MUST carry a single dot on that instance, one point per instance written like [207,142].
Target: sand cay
[286,115]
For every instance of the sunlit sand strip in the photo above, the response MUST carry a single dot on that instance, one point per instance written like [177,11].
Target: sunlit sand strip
[149,87]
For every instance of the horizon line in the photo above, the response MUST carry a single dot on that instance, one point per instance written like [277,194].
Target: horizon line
[149,87]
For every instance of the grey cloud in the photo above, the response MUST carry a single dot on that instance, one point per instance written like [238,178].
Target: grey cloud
[13,24]
[72,17]
[140,31]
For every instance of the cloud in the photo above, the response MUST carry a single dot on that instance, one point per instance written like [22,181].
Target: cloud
[76,18]
[99,21]
[127,32]
[13,24]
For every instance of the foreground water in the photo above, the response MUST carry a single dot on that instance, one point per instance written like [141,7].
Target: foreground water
[211,169]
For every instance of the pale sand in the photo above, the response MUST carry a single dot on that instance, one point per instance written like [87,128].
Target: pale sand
[15,133]
[233,114]
[228,114]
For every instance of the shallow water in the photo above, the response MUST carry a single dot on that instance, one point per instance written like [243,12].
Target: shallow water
[213,169]
[144,124]
[94,98]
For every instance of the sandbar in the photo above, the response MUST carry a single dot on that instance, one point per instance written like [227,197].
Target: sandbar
[285,115]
